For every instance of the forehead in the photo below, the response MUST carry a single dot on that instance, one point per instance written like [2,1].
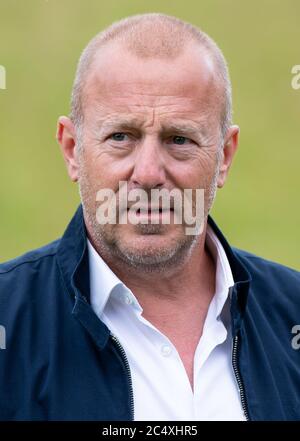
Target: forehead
[119,82]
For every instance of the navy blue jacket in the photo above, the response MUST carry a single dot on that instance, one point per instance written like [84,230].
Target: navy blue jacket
[61,362]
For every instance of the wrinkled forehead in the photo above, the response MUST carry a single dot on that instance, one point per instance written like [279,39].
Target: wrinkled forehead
[118,79]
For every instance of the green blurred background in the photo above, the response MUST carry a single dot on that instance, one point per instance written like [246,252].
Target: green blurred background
[40,42]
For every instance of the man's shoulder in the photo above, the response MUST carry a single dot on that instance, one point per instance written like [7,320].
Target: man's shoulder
[267,270]
[31,258]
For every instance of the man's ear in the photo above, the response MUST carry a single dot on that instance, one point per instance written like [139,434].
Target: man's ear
[229,148]
[66,137]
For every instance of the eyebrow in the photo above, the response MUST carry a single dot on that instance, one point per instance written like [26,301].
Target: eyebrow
[122,121]
[191,129]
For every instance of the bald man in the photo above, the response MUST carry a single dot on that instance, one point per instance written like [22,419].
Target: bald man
[144,320]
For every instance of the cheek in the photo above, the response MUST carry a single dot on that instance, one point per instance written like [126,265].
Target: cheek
[112,167]
[206,169]
[199,174]
[95,171]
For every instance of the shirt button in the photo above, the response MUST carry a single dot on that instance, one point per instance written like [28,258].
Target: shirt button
[166,350]
[128,300]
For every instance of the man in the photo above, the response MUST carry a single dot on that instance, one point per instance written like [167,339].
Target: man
[122,321]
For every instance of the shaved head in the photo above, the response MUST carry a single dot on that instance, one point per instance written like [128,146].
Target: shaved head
[152,36]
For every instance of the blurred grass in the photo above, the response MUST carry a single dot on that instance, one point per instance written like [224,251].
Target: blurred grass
[40,42]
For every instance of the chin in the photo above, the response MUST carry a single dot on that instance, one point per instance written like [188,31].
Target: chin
[154,252]
[150,244]
[151,237]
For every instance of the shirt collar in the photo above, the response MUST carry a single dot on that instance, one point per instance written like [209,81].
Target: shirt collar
[223,279]
[104,283]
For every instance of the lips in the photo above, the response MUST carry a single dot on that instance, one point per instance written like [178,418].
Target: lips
[150,210]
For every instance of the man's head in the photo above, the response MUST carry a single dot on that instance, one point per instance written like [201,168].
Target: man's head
[151,105]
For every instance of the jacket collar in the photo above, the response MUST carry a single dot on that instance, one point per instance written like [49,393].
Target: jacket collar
[72,256]
[239,271]
[73,261]
[242,279]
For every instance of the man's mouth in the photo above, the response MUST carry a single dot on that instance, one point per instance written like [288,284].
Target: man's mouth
[152,210]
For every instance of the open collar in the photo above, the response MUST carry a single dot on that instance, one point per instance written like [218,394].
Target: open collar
[73,261]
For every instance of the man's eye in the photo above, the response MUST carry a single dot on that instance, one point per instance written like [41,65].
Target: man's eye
[119,136]
[179,140]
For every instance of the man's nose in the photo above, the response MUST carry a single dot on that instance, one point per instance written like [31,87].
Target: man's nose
[149,169]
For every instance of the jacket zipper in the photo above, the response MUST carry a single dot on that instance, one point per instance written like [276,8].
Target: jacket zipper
[124,357]
[238,377]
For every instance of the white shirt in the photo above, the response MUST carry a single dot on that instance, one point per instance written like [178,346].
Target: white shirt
[161,387]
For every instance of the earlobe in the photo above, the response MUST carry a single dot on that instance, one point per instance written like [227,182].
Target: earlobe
[222,170]
[66,137]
